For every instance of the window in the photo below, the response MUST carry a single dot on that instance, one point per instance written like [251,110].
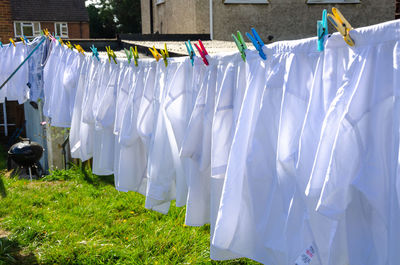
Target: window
[61,29]
[27,29]
[333,1]
[246,2]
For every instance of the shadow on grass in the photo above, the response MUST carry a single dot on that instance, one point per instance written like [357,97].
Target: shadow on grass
[3,156]
[86,176]
[93,179]
[11,253]
[106,180]
[3,192]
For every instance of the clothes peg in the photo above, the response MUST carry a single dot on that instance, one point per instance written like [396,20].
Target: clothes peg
[155,53]
[111,54]
[46,32]
[322,30]
[95,52]
[12,42]
[79,49]
[165,54]
[60,41]
[135,55]
[341,25]
[240,44]
[24,40]
[108,53]
[202,51]
[190,51]
[69,45]
[257,42]
[129,55]
[1,44]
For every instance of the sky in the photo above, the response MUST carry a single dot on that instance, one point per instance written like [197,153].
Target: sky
[88,2]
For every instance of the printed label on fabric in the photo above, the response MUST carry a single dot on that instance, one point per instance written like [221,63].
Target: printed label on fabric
[306,256]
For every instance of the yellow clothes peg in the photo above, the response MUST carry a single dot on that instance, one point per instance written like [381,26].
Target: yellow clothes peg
[13,42]
[46,32]
[69,45]
[155,53]
[165,54]
[135,55]
[23,40]
[111,54]
[342,25]
[79,49]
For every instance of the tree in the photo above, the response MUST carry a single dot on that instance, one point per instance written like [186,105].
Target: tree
[128,15]
[108,17]
[102,24]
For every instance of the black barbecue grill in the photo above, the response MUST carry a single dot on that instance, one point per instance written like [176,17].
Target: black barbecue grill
[26,155]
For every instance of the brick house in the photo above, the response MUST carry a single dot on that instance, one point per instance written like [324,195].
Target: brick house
[68,19]
[283,19]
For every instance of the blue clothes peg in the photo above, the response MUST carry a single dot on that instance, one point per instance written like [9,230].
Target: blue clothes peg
[322,30]
[190,51]
[25,39]
[257,42]
[1,44]
[95,52]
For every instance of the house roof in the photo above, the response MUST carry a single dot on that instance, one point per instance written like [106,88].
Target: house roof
[49,10]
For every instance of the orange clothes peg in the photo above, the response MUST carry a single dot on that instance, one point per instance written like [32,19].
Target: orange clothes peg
[155,53]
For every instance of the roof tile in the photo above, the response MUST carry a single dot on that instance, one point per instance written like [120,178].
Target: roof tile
[49,10]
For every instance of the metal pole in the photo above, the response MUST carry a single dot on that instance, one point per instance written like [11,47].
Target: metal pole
[211,21]
[5,119]
[151,17]
[30,173]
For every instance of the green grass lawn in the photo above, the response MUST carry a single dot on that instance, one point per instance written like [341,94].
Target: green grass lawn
[74,217]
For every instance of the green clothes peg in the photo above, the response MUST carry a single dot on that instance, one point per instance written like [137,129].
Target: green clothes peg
[240,44]
[129,55]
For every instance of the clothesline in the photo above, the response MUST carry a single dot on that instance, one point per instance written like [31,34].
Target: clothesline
[23,62]
[291,160]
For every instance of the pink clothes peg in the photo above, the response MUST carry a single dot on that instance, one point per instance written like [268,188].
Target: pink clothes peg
[202,52]
[52,38]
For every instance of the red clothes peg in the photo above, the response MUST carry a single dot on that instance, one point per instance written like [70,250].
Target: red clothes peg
[202,52]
